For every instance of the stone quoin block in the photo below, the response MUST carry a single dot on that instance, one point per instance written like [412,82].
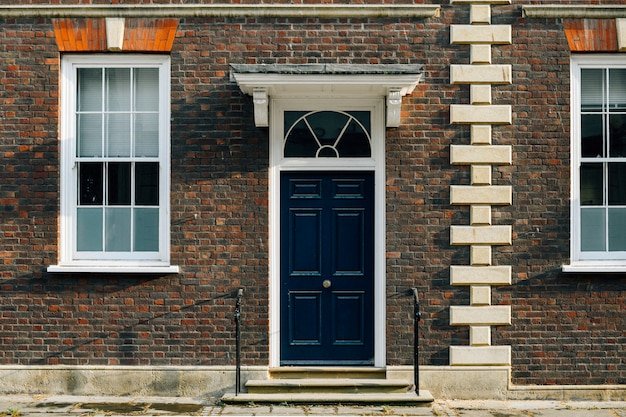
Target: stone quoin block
[480,315]
[480,74]
[491,154]
[480,255]
[480,355]
[485,34]
[481,194]
[480,14]
[480,214]
[480,235]
[468,113]
[480,275]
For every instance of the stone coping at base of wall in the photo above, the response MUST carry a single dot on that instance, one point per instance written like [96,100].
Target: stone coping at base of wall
[444,382]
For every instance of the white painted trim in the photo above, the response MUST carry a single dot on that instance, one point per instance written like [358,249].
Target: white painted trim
[376,164]
[172,269]
[68,260]
[391,87]
[596,261]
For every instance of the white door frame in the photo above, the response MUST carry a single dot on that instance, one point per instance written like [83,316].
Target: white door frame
[376,164]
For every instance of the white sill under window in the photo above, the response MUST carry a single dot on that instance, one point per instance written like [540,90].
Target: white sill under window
[169,269]
[596,267]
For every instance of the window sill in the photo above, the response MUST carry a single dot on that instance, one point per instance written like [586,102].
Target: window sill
[596,268]
[161,270]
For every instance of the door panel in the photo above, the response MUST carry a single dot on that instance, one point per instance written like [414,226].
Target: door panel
[327,268]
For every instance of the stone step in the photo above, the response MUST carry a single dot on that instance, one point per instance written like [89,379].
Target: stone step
[329,372]
[408,397]
[332,385]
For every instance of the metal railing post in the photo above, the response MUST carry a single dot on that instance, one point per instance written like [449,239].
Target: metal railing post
[238,342]
[417,315]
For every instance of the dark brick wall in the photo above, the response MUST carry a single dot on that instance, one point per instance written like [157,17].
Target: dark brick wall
[566,328]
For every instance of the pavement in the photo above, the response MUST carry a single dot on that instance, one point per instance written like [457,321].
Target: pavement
[72,406]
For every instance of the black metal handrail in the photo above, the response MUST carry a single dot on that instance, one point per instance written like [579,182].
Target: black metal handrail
[417,315]
[238,342]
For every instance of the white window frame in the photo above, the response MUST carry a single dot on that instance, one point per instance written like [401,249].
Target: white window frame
[143,262]
[581,261]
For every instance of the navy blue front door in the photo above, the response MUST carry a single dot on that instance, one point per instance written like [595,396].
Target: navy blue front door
[327,268]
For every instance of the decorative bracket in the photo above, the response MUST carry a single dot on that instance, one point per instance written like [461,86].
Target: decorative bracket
[394,103]
[261,107]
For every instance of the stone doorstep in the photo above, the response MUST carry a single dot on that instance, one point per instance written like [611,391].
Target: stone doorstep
[328,372]
[332,386]
[425,398]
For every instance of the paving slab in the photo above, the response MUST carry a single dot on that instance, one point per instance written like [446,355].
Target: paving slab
[492,413]
[325,410]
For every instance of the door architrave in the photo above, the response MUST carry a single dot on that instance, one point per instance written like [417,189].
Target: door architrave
[376,164]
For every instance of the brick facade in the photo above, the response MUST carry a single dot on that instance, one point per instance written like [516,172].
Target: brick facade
[566,328]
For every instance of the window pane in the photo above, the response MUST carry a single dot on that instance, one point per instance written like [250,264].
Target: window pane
[118,135]
[118,229]
[146,89]
[146,233]
[592,229]
[591,185]
[592,89]
[118,189]
[617,135]
[118,89]
[89,229]
[300,142]
[89,135]
[617,89]
[90,184]
[617,229]
[147,184]
[354,142]
[89,89]
[147,135]
[591,132]
[617,184]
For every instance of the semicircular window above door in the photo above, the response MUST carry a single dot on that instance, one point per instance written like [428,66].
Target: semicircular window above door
[327,134]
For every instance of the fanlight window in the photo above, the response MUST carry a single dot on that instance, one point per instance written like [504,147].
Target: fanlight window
[327,134]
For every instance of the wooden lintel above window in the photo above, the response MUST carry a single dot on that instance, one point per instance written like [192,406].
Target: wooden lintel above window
[139,35]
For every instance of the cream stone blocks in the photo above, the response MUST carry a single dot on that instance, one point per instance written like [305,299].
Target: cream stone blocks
[480,14]
[480,275]
[491,114]
[480,315]
[486,34]
[483,194]
[480,54]
[481,174]
[480,255]
[480,94]
[480,355]
[480,74]
[480,295]
[480,235]
[490,154]
[480,134]
[480,214]
[480,335]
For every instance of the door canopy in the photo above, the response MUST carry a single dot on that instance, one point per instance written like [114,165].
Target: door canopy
[390,82]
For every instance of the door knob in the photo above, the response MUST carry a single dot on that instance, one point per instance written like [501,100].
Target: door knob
[326,283]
